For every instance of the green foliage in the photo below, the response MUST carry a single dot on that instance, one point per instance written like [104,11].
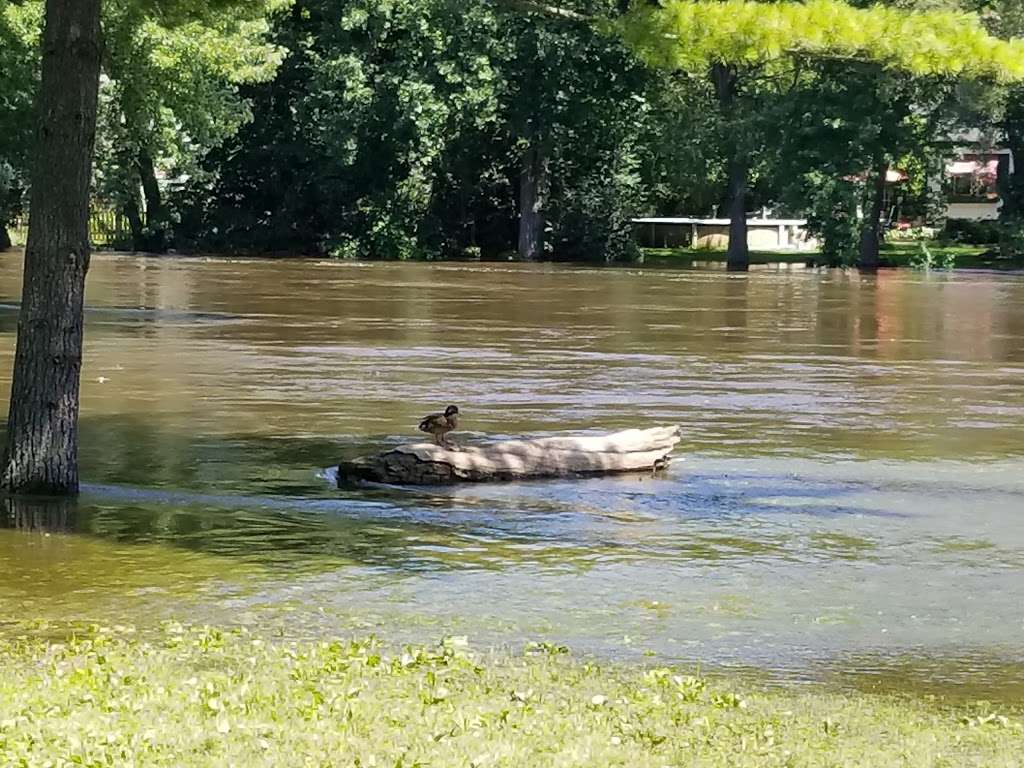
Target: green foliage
[171,95]
[972,232]
[688,35]
[205,697]
[19,34]
[397,130]
[832,216]
[925,259]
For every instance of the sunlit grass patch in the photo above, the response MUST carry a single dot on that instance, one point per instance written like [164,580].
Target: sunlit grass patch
[204,697]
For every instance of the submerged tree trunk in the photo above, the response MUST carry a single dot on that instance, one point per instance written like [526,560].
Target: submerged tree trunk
[1011,185]
[42,429]
[134,216]
[156,225]
[738,255]
[870,237]
[532,182]
[725,80]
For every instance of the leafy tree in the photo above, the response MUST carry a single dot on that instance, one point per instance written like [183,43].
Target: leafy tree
[170,96]
[404,129]
[741,43]
[19,31]
[848,124]
[352,129]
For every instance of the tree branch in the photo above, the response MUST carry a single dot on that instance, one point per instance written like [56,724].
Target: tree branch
[548,10]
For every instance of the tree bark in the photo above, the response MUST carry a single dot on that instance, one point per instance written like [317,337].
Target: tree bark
[155,221]
[1011,186]
[725,79]
[134,216]
[532,181]
[738,255]
[42,428]
[870,238]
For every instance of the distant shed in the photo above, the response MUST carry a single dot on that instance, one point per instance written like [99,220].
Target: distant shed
[685,232]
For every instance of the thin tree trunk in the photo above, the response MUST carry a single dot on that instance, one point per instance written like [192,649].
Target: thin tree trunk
[42,427]
[1011,186]
[725,79]
[870,239]
[155,221]
[532,181]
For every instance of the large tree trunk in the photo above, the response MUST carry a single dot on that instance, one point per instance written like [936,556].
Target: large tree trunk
[532,182]
[870,238]
[5,239]
[42,427]
[725,80]
[738,255]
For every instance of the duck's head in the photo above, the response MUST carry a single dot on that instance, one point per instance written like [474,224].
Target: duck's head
[451,410]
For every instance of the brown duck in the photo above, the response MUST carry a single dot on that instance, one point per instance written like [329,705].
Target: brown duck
[440,424]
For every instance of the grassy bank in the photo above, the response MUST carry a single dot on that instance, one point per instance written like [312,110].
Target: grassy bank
[203,697]
[893,255]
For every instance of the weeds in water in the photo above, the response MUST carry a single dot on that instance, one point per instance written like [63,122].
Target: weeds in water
[923,259]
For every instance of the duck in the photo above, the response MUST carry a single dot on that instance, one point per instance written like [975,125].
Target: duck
[440,424]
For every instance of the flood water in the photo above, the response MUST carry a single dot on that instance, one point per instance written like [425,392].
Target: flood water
[847,502]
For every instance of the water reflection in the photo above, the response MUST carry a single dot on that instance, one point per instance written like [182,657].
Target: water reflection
[40,515]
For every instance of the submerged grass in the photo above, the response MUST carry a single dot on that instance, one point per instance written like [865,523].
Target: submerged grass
[203,697]
[896,254]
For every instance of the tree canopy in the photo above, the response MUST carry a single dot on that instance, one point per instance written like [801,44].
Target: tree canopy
[693,35]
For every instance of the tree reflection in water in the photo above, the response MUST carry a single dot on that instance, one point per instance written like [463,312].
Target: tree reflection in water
[39,514]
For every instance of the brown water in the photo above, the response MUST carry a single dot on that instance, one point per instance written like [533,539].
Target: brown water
[848,500]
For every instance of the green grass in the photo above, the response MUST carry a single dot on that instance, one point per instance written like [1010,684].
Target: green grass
[898,254]
[202,697]
[682,256]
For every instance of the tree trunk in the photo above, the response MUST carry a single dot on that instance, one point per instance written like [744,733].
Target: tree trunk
[42,427]
[738,255]
[1011,186]
[869,236]
[725,80]
[532,181]
[5,238]
[134,216]
[155,221]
